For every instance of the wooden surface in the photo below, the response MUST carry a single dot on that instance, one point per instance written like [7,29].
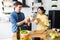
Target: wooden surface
[43,34]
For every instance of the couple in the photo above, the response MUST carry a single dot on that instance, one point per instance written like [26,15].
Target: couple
[17,18]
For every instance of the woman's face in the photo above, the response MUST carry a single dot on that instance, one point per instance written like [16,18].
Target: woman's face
[40,11]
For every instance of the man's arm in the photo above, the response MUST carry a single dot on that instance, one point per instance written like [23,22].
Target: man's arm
[24,20]
[20,23]
[13,21]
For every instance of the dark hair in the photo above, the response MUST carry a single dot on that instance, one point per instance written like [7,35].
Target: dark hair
[17,3]
[42,9]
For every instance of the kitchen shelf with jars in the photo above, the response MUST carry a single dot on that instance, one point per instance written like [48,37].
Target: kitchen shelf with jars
[54,4]
[35,5]
[7,6]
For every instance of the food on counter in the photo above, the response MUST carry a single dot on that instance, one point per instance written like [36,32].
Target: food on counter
[54,35]
[24,32]
[26,37]
[45,34]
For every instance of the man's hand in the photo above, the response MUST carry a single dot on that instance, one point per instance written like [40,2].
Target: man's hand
[20,23]
[27,20]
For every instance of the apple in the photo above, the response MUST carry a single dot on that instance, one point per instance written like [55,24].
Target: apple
[53,36]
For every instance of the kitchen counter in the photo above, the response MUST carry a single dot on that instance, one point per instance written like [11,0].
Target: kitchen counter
[43,34]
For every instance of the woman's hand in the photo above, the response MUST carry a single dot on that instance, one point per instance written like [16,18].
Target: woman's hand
[38,20]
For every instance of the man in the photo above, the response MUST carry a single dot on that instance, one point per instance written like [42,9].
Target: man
[17,19]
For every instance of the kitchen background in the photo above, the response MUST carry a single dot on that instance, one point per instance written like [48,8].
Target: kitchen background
[6,7]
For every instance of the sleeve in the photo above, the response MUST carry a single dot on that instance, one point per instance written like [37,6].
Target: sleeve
[46,21]
[13,21]
[36,20]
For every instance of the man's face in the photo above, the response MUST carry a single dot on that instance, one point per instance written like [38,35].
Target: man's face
[18,8]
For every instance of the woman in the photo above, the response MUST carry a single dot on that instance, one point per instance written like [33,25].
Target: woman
[41,19]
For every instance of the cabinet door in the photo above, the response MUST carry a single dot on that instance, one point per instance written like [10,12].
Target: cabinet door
[54,16]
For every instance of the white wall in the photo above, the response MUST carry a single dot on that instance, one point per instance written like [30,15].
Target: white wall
[0,6]
[27,11]
[47,5]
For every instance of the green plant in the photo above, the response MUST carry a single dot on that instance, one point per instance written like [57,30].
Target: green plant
[54,0]
[54,5]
